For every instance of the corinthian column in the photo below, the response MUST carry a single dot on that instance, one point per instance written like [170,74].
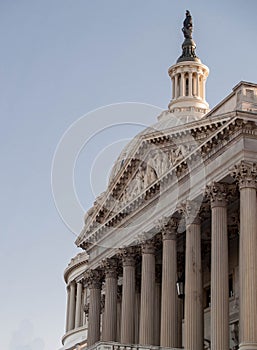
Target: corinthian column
[193,337]
[94,281]
[128,296]
[219,267]
[146,330]
[110,310]
[169,322]
[246,174]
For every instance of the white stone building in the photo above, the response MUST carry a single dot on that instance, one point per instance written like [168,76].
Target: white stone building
[170,248]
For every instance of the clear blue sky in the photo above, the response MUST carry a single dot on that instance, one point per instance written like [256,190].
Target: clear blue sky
[60,60]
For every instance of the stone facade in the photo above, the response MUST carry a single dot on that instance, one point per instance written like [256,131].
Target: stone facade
[182,207]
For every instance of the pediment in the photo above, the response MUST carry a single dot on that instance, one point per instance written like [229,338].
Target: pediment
[154,154]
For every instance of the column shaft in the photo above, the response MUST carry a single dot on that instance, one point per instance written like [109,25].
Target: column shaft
[78,305]
[182,84]
[67,309]
[110,309]
[94,315]
[219,279]
[197,85]
[175,87]
[128,301]
[169,294]
[118,335]
[72,305]
[190,84]
[146,330]
[157,312]
[84,298]
[193,289]
[137,314]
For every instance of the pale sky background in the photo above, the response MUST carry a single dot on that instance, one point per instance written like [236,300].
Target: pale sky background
[60,60]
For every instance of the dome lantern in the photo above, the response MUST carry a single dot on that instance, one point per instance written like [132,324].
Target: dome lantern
[188,78]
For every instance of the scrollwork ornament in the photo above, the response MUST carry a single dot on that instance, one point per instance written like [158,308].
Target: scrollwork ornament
[245,173]
[217,192]
[147,244]
[168,227]
[94,278]
[110,267]
[128,256]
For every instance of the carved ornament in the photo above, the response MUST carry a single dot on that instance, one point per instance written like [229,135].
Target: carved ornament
[217,192]
[94,278]
[245,173]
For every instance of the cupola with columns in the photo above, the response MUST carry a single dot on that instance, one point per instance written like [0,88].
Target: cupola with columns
[188,78]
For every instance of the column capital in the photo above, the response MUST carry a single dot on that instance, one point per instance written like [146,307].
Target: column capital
[190,210]
[147,244]
[217,192]
[128,256]
[245,173]
[110,267]
[94,278]
[148,247]
[168,227]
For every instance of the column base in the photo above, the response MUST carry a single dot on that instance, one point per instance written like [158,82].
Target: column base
[248,346]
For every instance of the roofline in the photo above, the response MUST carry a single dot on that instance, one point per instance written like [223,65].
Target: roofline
[242,82]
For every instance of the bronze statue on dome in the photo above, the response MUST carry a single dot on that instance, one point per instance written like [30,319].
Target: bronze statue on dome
[188,26]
